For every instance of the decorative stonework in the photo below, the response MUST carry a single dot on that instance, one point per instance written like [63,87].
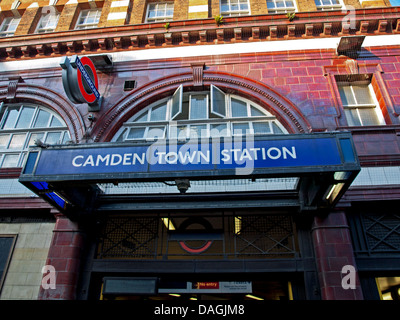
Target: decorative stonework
[285,110]
[234,29]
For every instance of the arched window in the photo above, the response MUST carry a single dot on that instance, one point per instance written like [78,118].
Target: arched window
[187,115]
[21,125]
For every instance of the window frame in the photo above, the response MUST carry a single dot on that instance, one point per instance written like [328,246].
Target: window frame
[234,13]
[279,10]
[41,30]
[164,18]
[373,106]
[327,7]
[83,26]
[173,125]
[6,33]
[8,260]
[28,130]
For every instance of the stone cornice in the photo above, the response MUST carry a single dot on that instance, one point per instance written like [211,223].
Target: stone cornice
[320,24]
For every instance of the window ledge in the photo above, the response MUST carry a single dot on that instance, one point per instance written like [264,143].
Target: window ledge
[392,127]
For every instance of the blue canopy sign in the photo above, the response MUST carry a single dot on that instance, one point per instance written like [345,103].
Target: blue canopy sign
[331,155]
[277,154]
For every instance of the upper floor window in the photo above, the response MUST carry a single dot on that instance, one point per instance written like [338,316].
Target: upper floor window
[281,6]
[360,105]
[192,115]
[160,12]
[88,19]
[323,5]
[21,126]
[231,8]
[9,26]
[47,23]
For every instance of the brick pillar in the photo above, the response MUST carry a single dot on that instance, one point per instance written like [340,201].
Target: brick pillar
[333,251]
[65,256]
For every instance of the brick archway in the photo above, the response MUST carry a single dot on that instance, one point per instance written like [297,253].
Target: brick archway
[285,111]
[50,99]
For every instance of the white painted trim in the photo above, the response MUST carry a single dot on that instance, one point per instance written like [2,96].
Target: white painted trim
[121,3]
[207,50]
[199,8]
[116,15]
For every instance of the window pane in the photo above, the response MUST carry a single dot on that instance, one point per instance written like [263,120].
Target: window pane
[178,132]
[239,108]
[136,133]
[276,128]
[368,116]
[218,130]
[346,95]
[42,119]
[158,113]
[352,117]
[197,131]
[10,160]
[217,102]
[6,246]
[363,95]
[261,127]
[17,141]
[53,138]
[66,137]
[56,123]
[142,118]
[255,112]
[280,4]
[4,141]
[11,117]
[240,128]
[198,107]
[177,102]
[156,133]
[25,118]
[34,137]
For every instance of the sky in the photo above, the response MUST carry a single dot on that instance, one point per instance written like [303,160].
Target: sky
[395,2]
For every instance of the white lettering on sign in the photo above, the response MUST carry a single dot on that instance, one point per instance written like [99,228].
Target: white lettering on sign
[251,154]
[227,156]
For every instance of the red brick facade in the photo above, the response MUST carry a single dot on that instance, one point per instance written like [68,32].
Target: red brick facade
[298,86]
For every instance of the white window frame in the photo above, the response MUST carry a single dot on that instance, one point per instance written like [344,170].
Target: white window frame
[235,13]
[185,123]
[46,29]
[327,7]
[7,22]
[84,25]
[284,9]
[164,18]
[357,107]
[28,131]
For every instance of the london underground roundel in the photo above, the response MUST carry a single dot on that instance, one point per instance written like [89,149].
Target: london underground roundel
[80,80]
[187,237]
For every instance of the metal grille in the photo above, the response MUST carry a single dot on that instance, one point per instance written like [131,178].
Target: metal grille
[220,236]
[264,235]
[129,237]
[382,232]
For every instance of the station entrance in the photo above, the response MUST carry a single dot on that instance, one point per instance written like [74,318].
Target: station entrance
[252,254]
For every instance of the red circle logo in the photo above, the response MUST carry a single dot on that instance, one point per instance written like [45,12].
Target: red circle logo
[186,236]
[84,89]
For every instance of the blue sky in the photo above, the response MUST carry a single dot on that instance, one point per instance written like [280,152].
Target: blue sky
[395,2]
